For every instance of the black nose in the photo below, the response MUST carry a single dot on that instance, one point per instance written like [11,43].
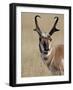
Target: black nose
[46,47]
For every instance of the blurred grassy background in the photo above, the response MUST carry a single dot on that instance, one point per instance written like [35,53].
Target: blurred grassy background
[31,62]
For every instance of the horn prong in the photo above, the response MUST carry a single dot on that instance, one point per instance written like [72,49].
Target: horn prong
[37,26]
[54,29]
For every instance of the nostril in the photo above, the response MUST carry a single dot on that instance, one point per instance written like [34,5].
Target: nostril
[47,49]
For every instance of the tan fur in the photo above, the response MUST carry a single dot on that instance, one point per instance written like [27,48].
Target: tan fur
[52,57]
[55,61]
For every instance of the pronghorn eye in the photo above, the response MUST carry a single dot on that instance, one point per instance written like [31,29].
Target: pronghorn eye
[50,38]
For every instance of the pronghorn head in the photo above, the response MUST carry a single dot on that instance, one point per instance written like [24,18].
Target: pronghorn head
[45,37]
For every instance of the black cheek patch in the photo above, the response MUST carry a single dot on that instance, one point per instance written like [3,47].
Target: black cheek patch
[39,39]
[40,48]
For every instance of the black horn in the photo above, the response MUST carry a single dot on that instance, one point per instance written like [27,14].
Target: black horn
[37,29]
[54,29]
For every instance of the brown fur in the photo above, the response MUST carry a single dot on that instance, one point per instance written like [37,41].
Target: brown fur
[55,60]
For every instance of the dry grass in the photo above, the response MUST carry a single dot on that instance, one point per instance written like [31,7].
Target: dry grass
[31,62]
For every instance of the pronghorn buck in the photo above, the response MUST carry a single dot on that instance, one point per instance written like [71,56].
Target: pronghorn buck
[53,57]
